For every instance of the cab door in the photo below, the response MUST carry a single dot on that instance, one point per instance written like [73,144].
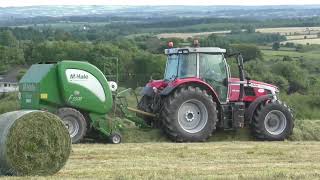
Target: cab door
[213,70]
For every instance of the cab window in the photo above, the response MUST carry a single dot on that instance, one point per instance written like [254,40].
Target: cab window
[213,71]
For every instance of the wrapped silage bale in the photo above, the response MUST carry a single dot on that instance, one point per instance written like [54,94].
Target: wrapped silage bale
[32,143]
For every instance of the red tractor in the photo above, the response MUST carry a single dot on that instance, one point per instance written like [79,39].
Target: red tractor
[198,95]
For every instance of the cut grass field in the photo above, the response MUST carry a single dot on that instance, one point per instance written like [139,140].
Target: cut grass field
[271,54]
[292,33]
[300,37]
[217,160]
[227,155]
[288,30]
[304,41]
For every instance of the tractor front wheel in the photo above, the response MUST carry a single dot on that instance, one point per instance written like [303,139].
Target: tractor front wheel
[272,121]
[74,122]
[189,115]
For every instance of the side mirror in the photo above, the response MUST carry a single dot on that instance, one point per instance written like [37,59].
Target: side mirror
[246,76]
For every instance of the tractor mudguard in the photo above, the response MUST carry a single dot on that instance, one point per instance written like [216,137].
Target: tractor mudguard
[147,91]
[194,82]
[167,90]
[252,107]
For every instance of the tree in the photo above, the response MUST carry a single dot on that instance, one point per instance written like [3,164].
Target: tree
[299,47]
[249,52]
[276,46]
[236,30]
[249,28]
[7,39]
[289,44]
[287,58]
[296,76]
[62,35]
[10,56]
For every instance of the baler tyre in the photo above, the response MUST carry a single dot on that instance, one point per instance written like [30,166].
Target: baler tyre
[272,121]
[74,122]
[189,115]
[115,138]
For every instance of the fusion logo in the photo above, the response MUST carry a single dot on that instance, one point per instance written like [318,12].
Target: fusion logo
[75,97]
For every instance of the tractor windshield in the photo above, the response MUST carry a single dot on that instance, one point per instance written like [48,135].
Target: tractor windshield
[181,66]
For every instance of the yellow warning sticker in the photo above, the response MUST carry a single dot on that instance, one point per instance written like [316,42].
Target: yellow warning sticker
[43,96]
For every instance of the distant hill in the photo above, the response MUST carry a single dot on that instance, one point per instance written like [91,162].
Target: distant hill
[256,12]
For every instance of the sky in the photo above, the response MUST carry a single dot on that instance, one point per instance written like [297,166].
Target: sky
[9,3]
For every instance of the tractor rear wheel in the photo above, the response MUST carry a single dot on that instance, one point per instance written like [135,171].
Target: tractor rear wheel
[74,122]
[272,121]
[189,115]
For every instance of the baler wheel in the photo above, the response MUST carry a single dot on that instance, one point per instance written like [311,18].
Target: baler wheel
[189,115]
[74,122]
[115,138]
[272,121]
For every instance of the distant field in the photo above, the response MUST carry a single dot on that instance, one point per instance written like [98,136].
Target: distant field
[189,35]
[217,160]
[292,30]
[304,41]
[270,54]
[301,37]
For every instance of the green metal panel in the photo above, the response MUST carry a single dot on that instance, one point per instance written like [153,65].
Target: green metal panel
[36,73]
[29,85]
[84,86]
[50,95]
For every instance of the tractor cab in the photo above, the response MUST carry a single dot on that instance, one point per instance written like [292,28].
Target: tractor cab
[205,64]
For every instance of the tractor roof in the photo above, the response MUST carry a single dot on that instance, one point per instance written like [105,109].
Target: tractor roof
[195,50]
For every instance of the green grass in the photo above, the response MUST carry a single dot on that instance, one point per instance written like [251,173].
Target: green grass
[218,160]
[305,130]
[9,102]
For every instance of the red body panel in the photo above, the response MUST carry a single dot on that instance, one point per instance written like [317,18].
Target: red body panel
[234,90]
[234,87]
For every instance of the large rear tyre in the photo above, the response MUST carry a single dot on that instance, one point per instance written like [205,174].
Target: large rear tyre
[189,115]
[272,121]
[74,122]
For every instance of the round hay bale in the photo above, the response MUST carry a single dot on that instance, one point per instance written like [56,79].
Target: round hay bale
[32,143]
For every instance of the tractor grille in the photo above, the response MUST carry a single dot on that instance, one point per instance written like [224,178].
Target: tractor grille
[249,91]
